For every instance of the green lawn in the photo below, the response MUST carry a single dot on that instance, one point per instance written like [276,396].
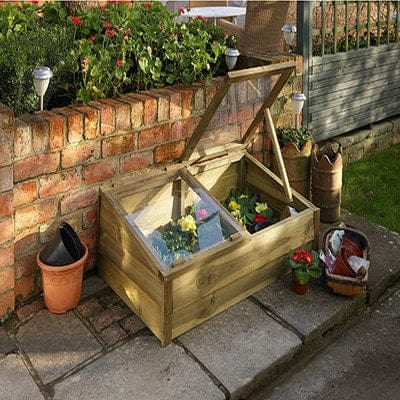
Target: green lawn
[371,188]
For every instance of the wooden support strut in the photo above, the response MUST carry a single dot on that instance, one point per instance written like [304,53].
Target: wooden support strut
[278,155]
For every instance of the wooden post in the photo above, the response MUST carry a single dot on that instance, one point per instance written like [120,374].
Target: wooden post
[278,155]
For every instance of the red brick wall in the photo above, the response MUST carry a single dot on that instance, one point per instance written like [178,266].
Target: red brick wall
[7,261]
[53,163]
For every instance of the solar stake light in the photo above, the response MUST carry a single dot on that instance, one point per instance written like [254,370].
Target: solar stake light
[231,57]
[41,79]
[288,34]
[298,103]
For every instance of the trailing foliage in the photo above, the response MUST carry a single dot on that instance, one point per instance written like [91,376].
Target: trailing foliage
[297,136]
[102,51]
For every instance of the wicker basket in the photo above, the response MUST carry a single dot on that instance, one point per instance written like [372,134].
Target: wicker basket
[346,285]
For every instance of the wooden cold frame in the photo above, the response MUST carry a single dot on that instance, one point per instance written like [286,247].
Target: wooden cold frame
[172,301]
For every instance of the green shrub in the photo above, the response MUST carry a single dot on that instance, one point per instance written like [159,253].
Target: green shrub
[21,53]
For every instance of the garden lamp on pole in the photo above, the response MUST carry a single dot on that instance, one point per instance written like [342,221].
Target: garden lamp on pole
[288,34]
[297,103]
[41,79]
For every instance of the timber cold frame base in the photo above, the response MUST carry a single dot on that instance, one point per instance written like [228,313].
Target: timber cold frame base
[171,297]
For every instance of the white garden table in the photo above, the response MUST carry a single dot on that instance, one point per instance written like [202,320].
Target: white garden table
[214,12]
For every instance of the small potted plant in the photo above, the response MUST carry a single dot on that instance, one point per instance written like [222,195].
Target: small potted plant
[247,208]
[232,53]
[296,145]
[304,265]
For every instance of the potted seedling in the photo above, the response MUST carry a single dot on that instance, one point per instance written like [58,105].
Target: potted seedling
[295,145]
[304,265]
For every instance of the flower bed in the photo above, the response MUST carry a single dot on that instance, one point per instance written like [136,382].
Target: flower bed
[101,52]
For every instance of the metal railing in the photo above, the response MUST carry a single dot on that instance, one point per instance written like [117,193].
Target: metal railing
[339,26]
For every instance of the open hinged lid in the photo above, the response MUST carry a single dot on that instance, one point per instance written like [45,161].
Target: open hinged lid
[174,218]
[237,87]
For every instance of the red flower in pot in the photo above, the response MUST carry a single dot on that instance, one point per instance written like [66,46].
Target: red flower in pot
[304,264]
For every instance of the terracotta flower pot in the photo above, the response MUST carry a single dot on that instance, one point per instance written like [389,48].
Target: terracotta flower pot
[342,266]
[326,187]
[298,287]
[62,285]
[298,166]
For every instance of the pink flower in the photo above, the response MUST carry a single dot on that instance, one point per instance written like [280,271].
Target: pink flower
[107,24]
[110,33]
[85,61]
[201,214]
[118,63]
[92,38]
[181,10]
[76,20]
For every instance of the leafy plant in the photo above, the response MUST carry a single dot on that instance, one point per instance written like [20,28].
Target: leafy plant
[25,50]
[200,227]
[305,265]
[298,136]
[102,51]
[121,49]
[248,210]
[232,41]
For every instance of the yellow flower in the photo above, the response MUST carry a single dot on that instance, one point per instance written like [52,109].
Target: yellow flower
[260,207]
[187,223]
[236,213]
[233,205]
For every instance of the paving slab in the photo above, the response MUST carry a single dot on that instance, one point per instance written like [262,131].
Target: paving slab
[56,343]
[241,345]
[363,363]
[312,314]
[16,382]
[140,369]
[6,344]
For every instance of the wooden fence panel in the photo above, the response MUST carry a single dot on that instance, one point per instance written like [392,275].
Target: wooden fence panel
[349,87]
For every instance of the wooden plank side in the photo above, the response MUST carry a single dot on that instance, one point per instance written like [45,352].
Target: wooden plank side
[360,64]
[219,181]
[358,98]
[146,180]
[262,71]
[127,260]
[215,302]
[352,106]
[240,259]
[350,90]
[357,85]
[349,77]
[365,116]
[133,296]
[271,187]
[350,56]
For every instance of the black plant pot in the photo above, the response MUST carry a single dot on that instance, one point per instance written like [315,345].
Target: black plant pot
[64,248]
